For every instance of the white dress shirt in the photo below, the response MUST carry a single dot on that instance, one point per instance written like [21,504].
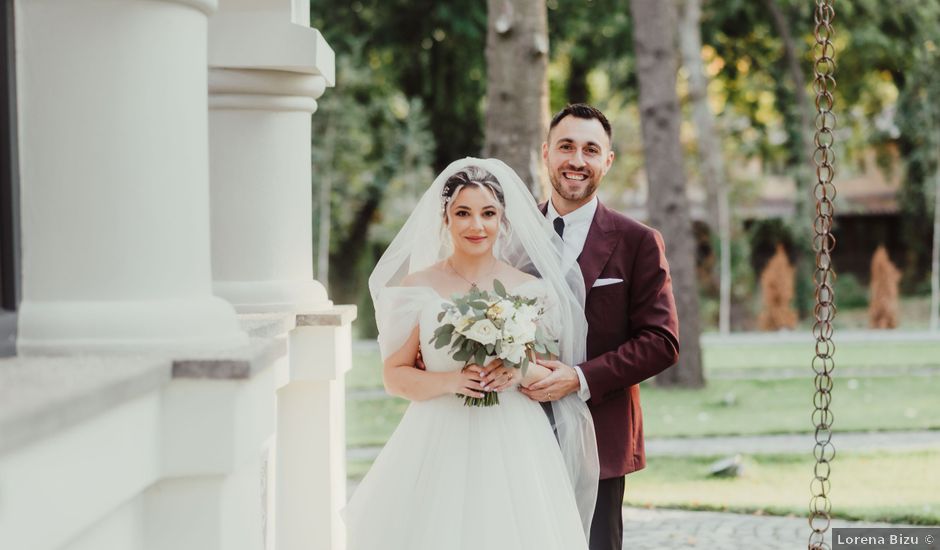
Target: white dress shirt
[577,225]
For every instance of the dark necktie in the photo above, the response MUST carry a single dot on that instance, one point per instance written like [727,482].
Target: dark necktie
[559,224]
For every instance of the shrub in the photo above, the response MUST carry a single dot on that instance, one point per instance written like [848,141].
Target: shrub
[885,278]
[850,292]
[776,283]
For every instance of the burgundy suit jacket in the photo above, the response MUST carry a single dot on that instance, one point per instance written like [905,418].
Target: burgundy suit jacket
[633,331]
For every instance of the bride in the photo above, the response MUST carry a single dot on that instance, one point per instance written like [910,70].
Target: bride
[453,477]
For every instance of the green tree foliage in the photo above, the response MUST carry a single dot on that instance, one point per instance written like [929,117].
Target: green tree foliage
[373,148]
[587,36]
[918,122]
[426,58]
[885,71]
[429,50]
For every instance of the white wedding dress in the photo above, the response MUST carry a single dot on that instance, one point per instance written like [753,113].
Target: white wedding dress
[453,477]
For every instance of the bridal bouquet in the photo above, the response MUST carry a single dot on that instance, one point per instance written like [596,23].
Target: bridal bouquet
[481,325]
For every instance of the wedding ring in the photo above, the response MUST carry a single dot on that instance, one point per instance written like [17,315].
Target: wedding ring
[549,395]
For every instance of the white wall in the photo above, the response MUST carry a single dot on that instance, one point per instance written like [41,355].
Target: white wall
[121,259]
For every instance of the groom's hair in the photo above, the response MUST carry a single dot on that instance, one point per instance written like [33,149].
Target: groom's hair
[585,111]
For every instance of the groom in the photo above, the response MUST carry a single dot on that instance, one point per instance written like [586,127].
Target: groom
[633,329]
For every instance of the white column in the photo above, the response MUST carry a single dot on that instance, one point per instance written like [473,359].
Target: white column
[266,73]
[114,168]
[311,433]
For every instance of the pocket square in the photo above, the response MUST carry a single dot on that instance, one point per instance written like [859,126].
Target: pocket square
[605,282]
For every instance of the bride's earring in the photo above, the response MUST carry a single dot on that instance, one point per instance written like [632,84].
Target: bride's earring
[502,240]
[447,244]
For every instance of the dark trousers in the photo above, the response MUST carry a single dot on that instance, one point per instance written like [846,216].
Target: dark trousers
[607,525]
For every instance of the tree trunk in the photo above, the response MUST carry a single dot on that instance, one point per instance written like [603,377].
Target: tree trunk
[655,47]
[576,89]
[803,152]
[709,150]
[517,87]
[935,253]
[803,104]
[345,275]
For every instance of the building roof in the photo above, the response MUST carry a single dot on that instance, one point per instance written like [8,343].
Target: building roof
[864,188]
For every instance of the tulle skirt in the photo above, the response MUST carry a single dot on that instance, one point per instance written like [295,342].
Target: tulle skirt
[459,478]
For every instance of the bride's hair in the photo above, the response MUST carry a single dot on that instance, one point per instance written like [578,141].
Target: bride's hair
[471,175]
[475,175]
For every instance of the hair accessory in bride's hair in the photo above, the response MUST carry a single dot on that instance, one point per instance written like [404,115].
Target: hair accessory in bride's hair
[471,175]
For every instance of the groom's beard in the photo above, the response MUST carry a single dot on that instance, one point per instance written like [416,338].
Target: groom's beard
[590,186]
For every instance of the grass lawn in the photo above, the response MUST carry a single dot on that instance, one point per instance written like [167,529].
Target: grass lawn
[861,355]
[366,372]
[888,487]
[759,407]
[876,486]
[895,488]
[367,368]
[785,406]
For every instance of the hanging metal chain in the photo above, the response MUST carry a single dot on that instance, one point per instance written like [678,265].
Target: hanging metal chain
[823,242]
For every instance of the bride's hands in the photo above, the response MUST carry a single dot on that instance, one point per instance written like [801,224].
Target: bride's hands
[497,377]
[468,381]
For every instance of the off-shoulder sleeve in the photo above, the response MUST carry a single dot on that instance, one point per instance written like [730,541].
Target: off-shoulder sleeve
[397,312]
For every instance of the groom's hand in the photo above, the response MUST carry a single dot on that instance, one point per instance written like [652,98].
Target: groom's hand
[419,360]
[562,381]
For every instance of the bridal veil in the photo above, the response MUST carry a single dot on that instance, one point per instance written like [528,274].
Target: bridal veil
[528,243]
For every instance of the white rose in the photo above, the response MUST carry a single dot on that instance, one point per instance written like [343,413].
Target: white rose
[502,309]
[527,313]
[462,323]
[519,331]
[483,331]
[514,353]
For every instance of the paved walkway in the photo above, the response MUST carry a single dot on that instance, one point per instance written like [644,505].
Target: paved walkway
[791,443]
[842,372]
[665,529]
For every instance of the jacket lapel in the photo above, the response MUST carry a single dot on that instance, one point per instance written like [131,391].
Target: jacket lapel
[598,247]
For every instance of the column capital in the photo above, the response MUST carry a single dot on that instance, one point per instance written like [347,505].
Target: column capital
[266,90]
[242,40]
